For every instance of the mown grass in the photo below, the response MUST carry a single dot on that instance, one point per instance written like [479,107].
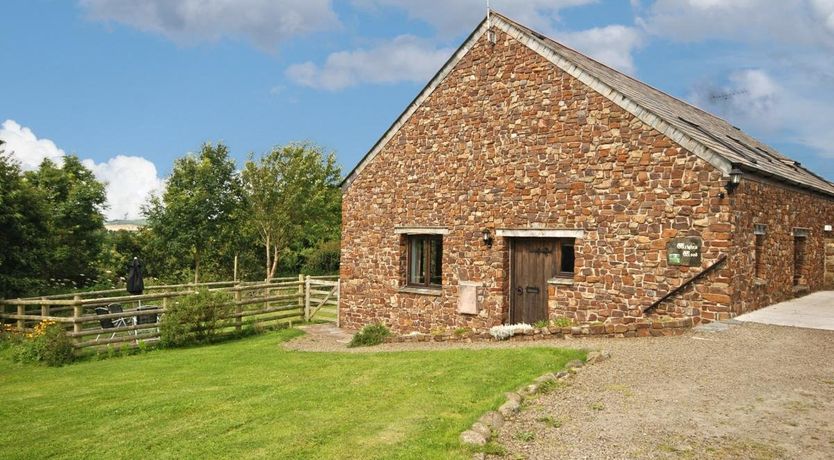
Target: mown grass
[252,399]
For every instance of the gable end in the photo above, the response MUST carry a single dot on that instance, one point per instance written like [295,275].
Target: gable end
[417,102]
[537,45]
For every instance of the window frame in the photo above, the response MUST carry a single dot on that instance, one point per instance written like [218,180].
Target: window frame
[759,232]
[560,243]
[427,254]
[800,256]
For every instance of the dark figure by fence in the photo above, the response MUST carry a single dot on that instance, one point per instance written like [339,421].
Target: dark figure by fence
[135,285]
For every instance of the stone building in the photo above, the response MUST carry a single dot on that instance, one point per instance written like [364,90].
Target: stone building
[528,182]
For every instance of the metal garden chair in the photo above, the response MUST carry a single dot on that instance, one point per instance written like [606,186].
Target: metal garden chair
[110,323]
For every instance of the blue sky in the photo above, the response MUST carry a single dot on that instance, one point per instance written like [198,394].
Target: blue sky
[129,85]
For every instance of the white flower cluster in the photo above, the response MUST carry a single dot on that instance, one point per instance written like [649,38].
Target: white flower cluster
[506,331]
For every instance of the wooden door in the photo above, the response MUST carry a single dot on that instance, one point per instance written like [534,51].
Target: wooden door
[533,263]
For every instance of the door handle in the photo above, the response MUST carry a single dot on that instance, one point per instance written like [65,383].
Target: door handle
[532,290]
[519,290]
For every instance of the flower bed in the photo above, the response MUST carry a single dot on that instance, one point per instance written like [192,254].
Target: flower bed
[647,327]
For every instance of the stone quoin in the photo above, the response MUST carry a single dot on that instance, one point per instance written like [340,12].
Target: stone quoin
[529,183]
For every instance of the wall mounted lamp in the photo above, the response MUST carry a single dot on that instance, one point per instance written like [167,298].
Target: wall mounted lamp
[735,179]
[487,237]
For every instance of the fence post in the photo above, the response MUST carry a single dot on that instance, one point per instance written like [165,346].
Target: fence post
[44,308]
[21,324]
[300,289]
[339,302]
[238,309]
[307,299]
[77,311]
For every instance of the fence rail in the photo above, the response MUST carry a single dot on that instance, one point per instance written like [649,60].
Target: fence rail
[321,300]
[261,303]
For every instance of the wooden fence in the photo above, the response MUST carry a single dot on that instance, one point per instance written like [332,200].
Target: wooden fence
[257,304]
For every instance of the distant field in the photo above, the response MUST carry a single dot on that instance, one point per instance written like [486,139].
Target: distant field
[252,399]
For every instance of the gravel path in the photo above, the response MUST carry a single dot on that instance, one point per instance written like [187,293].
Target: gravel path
[744,391]
[752,391]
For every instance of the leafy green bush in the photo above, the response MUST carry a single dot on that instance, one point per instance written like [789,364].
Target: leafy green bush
[323,259]
[541,324]
[195,319]
[8,336]
[372,334]
[48,343]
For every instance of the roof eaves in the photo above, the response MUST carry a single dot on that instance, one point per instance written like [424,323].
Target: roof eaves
[781,178]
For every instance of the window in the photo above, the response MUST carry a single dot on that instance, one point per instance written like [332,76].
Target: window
[567,258]
[425,260]
[800,237]
[759,231]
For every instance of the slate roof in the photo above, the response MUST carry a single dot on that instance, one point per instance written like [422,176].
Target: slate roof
[721,137]
[716,140]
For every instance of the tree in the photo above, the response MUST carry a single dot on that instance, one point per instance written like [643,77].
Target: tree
[290,192]
[23,230]
[118,249]
[75,201]
[196,213]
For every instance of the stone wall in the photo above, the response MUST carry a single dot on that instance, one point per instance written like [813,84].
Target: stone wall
[507,140]
[782,209]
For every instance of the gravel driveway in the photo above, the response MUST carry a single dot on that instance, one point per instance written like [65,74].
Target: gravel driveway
[752,391]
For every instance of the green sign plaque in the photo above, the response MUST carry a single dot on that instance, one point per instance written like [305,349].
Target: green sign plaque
[684,251]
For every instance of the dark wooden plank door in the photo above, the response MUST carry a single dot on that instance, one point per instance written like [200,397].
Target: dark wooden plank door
[533,263]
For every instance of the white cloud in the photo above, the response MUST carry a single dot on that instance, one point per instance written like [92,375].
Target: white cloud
[825,10]
[405,58]
[266,23]
[452,17]
[753,99]
[612,45]
[24,146]
[409,58]
[749,97]
[129,180]
[780,82]
[804,22]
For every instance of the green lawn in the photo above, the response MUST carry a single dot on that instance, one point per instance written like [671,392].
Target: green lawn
[252,399]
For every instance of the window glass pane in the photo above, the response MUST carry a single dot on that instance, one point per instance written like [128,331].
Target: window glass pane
[436,261]
[417,268]
[568,258]
[757,255]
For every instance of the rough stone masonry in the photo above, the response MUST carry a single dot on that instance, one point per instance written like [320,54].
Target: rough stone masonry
[508,140]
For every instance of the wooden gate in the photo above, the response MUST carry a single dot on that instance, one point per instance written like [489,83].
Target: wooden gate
[321,300]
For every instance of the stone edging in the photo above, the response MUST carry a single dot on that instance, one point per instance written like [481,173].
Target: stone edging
[481,431]
[647,327]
